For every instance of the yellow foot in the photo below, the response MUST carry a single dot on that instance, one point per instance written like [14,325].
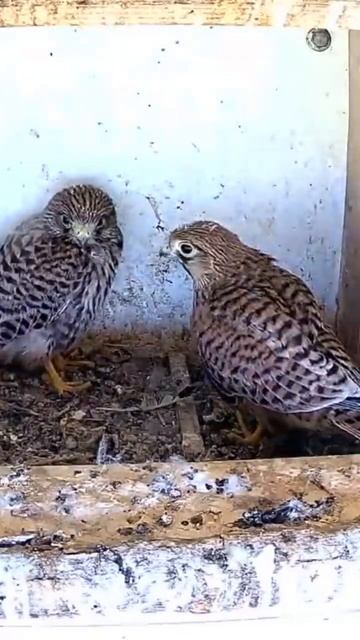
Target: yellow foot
[107,348]
[246,436]
[90,348]
[61,363]
[60,385]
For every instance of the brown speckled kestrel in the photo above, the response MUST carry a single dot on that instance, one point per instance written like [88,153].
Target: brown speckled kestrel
[260,332]
[56,269]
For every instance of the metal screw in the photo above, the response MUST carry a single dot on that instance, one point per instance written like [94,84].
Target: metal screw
[318,39]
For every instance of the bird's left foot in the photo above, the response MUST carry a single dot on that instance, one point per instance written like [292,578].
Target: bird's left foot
[245,436]
[60,385]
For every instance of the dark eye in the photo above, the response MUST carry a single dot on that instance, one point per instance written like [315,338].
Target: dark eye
[65,222]
[101,224]
[186,249]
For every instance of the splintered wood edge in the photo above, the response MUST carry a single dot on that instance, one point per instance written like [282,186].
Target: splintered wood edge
[80,508]
[192,442]
[330,14]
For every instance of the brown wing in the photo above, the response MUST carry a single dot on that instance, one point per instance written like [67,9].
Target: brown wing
[39,278]
[297,298]
[303,307]
[255,348]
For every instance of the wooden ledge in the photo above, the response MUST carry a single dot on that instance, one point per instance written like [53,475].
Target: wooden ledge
[83,508]
[97,545]
[329,14]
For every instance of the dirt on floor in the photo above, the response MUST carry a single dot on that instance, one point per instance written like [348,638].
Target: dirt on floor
[37,426]
[118,418]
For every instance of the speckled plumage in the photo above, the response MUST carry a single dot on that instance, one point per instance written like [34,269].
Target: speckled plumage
[260,332]
[56,270]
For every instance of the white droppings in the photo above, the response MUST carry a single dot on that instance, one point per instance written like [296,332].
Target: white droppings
[292,510]
[168,484]
[17,476]
[76,500]
[10,500]
[14,540]
[298,510]
[226,485]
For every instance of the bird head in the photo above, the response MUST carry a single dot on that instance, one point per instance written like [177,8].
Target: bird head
[204,248]
[85,215]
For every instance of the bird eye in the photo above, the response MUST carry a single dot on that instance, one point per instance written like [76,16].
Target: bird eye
[186,249]
[101,223]
[65,222]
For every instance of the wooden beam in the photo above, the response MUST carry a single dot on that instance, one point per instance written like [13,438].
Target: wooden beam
[329,14]
[105,545]
[272,576]
[348,317]
[191,439]
[80,508]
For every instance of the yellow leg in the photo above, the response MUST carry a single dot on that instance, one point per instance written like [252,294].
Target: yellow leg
[245,435]
[60,385]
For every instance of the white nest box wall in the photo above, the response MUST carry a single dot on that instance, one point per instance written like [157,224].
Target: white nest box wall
[246,126]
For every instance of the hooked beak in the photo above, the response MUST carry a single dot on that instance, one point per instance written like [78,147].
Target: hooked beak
[172,249]
[83,232]
[166,253]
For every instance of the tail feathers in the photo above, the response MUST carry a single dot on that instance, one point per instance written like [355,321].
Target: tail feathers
[350,404]
[346,420]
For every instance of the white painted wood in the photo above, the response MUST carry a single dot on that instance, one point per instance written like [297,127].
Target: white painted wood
[212,627]
[245,126]
[96,545]
[270,575]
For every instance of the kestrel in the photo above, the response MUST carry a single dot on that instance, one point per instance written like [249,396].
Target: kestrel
[260,332]
[56,269]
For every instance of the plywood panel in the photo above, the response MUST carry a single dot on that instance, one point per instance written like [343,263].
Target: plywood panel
[294,13]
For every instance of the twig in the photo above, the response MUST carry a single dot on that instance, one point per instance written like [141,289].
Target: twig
[65,459]
[167,402]
[16,407]
[161,419]
[162,405]
[71,405]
